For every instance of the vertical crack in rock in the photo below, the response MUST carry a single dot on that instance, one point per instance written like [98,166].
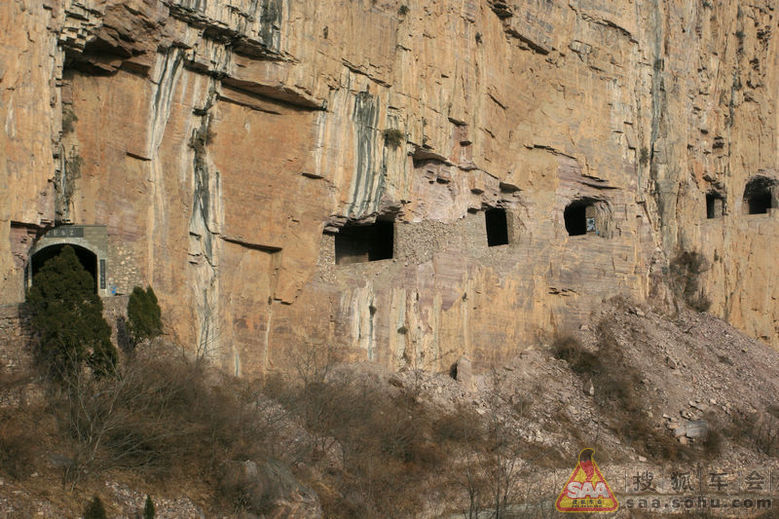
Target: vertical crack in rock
[202,223]
[270,23]
[65,184]
[372,329]
[200,219]
[363,308]
[276,266]
[166,75]
[658,107]
[367,184]
[167,79]
[205,184]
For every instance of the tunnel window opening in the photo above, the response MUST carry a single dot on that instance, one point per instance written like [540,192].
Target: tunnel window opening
[497,227]
[715,205]
[580,217]
[758,198]
[87,258]
[356,243]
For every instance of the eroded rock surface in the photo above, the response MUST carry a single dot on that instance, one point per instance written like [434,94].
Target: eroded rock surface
[225,143]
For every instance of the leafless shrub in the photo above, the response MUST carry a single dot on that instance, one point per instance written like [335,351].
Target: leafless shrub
[19,440]
[393,137]
[568,348]
[495,456]
[241,489]
[157,416]
[619,392]
[756,430]
[461,426]
[386,442]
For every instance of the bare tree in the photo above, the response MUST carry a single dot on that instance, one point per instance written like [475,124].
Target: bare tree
[494,463]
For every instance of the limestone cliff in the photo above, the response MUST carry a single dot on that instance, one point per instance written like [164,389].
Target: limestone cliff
[230,146]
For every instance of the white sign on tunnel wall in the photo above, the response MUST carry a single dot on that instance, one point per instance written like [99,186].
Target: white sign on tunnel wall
[66,232]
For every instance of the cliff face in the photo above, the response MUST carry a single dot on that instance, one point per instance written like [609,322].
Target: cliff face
[226,145]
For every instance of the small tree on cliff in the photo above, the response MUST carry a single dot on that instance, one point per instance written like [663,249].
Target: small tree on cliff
[144,317]
[67,316]
[148,509]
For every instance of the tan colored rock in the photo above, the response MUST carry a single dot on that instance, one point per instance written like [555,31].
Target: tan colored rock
[218,142]
[464,374]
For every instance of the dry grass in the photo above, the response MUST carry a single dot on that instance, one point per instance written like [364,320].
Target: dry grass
[758,431]
[159,419]
[386,443]
[369,449]
[19,444]
[155,417]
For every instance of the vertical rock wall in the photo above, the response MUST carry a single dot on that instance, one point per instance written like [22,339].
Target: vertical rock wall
[223,143]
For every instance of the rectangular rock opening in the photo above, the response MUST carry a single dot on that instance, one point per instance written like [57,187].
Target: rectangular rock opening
[497,227]
[356,243]
[758,195]
[714,205]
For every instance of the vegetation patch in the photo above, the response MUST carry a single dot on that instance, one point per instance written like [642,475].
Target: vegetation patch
[619,393]
[394,138]
[66,316]
[95,509]
[643,157]
[686,270]
[69,119]
[144,316]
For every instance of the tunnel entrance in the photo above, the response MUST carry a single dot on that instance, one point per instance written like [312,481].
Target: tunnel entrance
[758,198]
[576,219]
[89,242]
[87,258]
[360,243]
[580,217]
[588,216]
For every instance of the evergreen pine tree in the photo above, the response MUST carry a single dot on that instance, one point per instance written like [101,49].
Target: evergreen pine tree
[148,509]
[144,317]
[67,316]
[95,509]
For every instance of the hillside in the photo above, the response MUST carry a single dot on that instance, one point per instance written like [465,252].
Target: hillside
[664,395]
[417,181]
[409,258]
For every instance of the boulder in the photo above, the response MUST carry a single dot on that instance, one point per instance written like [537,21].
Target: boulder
[463,373]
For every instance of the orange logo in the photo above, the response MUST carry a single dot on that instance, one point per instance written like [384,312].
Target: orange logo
[586,489]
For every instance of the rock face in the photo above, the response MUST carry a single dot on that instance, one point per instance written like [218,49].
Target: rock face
[231,146]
